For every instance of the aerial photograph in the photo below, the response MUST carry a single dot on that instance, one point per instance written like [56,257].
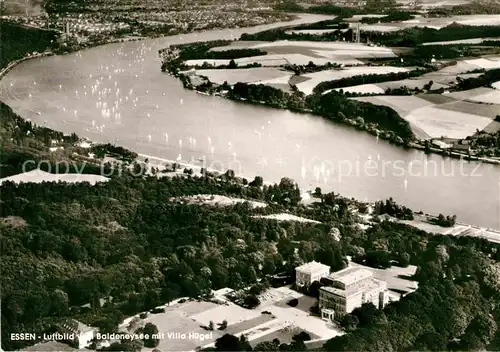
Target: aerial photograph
[250,175]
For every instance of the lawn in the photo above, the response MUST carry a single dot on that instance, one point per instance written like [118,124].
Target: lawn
[285,335]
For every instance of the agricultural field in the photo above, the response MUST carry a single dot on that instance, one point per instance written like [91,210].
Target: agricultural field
[313,79]
[282,53]
[403,105]
[310,31]
[438,122]
[380,88]
[479,95]
[302,52]
[248,75]
[436,23]
[428,4]
[462,41]
[454,115]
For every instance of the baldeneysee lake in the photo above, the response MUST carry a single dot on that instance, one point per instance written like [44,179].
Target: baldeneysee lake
[117,93]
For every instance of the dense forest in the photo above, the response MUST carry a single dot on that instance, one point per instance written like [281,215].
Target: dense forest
[66,245]
[33,39]
[456,307]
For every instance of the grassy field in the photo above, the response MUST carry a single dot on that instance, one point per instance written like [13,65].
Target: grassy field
[437,122]
[403,105]
[248,75]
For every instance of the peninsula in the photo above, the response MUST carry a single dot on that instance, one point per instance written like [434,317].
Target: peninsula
[417,80]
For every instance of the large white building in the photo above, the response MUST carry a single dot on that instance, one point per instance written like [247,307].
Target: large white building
[83,333]
[308,273]
[350,288]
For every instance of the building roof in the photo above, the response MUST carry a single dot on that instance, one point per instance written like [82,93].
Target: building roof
[312,267]
[350,275]
[82,328]
[367,287]
[77,327]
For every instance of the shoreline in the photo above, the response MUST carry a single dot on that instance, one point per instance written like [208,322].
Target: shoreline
[416,144]
[81,47]
[14,63]
[308,192]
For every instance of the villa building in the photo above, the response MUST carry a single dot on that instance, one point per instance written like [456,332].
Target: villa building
[83,333]
[308,273]
[349,289]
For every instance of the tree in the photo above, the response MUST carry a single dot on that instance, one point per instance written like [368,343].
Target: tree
[251,301]
[152,331]
[223,325]
[258,181]
[227,343]
[366,314]
[430,341]
[349,322]
[267,346]
[317,192]
[404,260]
[314,289]
[233,64]
[483,326]
[302,336]
[252,274]
[268,267]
